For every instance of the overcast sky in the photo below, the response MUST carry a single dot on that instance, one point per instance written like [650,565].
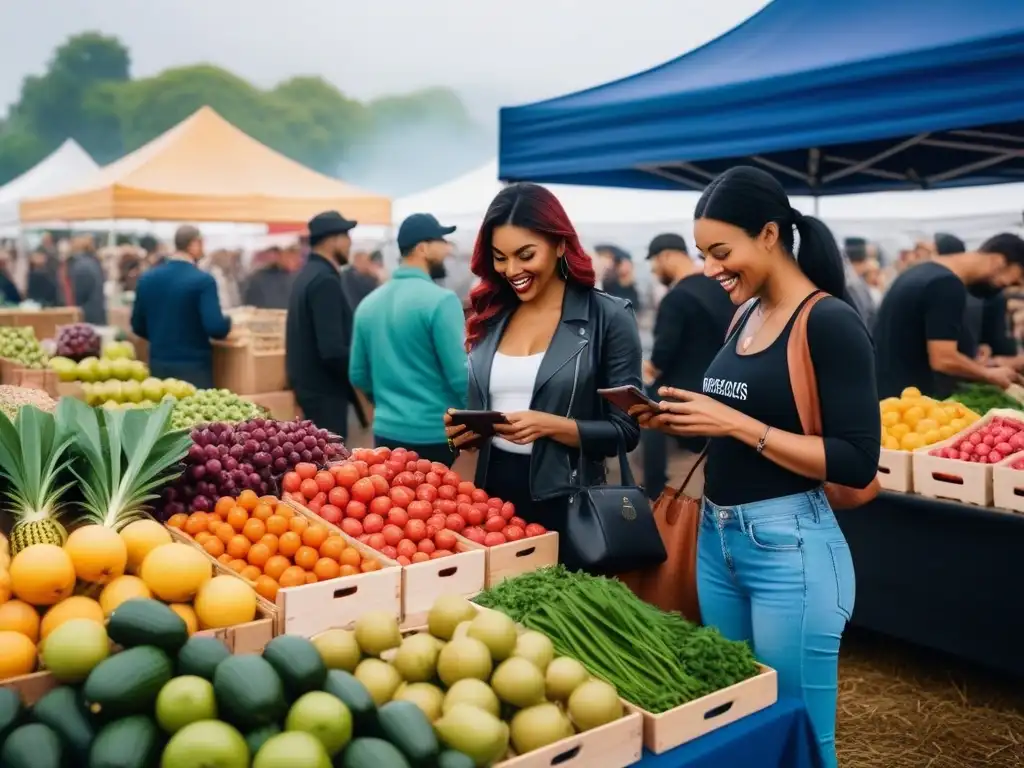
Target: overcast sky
[493,51]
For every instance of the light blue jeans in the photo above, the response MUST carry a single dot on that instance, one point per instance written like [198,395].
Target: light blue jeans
[778,573]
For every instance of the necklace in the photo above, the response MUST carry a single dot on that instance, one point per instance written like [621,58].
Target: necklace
[748,340]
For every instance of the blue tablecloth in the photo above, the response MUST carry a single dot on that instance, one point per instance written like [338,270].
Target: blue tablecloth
[777,737]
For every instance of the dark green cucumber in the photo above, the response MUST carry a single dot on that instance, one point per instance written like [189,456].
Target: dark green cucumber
[353,694]
[404,725]
[373,753]
[131,742]
[61,709]
[32,746]
[257,738]
[297,662]
[200,657]
[10,712]
[249,692]
[452,759]
[141,621]
[127,683]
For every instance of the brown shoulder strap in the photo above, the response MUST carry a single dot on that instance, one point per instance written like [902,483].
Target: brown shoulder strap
[743,310]
[801,369]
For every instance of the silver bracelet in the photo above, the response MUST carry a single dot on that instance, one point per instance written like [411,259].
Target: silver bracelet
[763,441]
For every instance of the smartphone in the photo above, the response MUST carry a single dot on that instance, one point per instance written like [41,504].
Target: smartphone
[481,422]
[626,397]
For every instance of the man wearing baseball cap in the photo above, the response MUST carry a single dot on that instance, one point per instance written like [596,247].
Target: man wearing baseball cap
[408,345]
[319,326]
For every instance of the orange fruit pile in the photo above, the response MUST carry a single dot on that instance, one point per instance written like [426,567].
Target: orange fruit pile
[270,544]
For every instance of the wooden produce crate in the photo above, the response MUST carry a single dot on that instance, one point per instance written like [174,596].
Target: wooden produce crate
[896,470]
[70,389]
[1008,485]
[249,366]
[515,557]
[969,483]
[14,374]
[32,687]
[44,322]
[259,321]
[282,405]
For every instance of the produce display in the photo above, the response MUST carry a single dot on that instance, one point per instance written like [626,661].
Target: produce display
[656,660]
[13,398]
[981,398]
[990,443]
[212,405]
[226,459]
[79,341]
[20,345]
[137,394]
[95,369]
[912,421]
[270,545]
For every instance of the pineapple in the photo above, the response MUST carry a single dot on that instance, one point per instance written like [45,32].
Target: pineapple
[37,528]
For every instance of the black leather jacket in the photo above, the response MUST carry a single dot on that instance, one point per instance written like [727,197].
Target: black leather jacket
[596,345]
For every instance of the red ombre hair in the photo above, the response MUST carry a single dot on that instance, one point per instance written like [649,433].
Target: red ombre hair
[532,207]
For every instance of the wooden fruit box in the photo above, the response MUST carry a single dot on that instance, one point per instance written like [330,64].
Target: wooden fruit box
[422,583]
[247,367]
[14,374]
[70,389]
[282,405]
[515,557]
[1008,485]
[32,687]
[44,322]
[896,470]
[963,481]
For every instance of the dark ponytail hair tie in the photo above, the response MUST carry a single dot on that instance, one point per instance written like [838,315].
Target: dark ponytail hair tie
[797,216]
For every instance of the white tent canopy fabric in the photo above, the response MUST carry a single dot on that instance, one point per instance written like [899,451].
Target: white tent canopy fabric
[65,167]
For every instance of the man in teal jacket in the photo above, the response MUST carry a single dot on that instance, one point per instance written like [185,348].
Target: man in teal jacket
[408,346]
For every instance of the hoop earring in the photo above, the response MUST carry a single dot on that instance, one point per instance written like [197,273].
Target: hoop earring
[563,268]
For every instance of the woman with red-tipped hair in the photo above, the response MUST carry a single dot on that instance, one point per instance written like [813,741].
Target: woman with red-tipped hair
[542,340]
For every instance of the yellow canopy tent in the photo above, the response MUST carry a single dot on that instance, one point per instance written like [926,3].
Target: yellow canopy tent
[206,169]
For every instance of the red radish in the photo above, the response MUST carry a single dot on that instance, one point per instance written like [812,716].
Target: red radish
[404,478]
[403,560]
[362,490]
[415,530]
[377,541]
[381,486]
[363,467]
[420,478]
[513,532]
[356,510]
[447,492]
[401,496]
[426,492]
[517,521]
[466,487]
[352,527]
[381,506]
[364,538]
[410,465]
[407,548]
[338,496]
[464,498]
[454,523]
[422,465]
[508,510]
[398,516]
[433,479]
[494,538]
[373,523]
[439,553]
[446,507]
[535,529]
[494,502]
[309,488]
[314,506]
[330,513]
[389,552]
[345,474]
[420,510]
[324,480]
[392,534]
[438,468]
[426,545]
[495,523]
[475,534]
[445,539]
[438,521]
[420,557]
[479,496]
[451,478]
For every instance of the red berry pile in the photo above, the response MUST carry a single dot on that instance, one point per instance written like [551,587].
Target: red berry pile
[405,507]
[989,444]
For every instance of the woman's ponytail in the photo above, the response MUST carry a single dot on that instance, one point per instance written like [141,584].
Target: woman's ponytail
[818,255]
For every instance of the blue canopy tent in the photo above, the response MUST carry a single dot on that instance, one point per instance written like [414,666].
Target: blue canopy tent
[833,98]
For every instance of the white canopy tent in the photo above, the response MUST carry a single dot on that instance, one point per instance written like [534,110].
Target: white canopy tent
[65,167]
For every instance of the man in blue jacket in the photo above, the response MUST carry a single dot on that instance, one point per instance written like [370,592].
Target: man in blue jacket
[177,311]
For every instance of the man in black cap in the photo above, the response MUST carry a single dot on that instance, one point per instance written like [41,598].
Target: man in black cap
[408,346]
[689,330]
[319,326]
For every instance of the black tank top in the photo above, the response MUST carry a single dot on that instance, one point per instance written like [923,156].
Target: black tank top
[758,385]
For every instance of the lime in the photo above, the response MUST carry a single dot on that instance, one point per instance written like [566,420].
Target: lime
[293,749]
[206,744]
[323,716]
[72,650]
[185,700]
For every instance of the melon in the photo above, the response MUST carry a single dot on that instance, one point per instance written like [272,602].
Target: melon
[120,589]
[18,616]
[17,655]
[188,615]
[175,572]
[75,607]
[141,537]
[98,553]
[225,601]
[42,574]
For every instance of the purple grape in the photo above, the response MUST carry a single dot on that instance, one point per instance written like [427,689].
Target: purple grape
[213,466]
[306,455]
[201,504]
[196,454]
[198,472]
[230,463]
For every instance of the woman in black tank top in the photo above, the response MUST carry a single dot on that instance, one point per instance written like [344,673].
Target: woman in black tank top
[773,567]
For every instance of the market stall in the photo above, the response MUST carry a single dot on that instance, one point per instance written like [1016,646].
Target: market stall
[63,169]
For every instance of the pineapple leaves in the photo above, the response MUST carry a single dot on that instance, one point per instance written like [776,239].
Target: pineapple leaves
[33,453]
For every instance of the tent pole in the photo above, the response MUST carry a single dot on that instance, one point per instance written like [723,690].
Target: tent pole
[817,206]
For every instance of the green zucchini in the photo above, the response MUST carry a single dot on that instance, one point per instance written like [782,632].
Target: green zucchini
[297,662]
[131,742]
[61,709]
[127,683]
[404,725]
[200,657]
[10,711]
[353,694]
[452,759]
[141,621]
[257,738]
[373,753]
[32,746]
[249,692]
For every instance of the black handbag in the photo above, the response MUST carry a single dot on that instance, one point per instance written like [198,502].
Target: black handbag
[611,528]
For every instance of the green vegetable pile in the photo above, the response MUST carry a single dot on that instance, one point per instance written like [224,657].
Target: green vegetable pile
[20,345]
[208,405]
[656,660]
[983,397]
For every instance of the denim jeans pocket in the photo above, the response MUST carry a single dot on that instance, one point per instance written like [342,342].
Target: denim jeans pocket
[779,535]
[846,583]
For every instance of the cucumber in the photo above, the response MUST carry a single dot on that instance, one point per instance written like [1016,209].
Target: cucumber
[61,709]
[10,712]
[32,746]
[249,692]
[131,742]
[452,759]
[200,657]
[297,662]
[373,753]
[353,694]
[127,683]
[257,738]
[404,725]
[141,621]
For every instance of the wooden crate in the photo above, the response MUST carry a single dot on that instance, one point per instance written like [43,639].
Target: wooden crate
[245,368]
[969,483]
[32,687]
[896,470]
[282,405]
[15,375]
[70,389]
[1008,485]
[515,557]
[44,322]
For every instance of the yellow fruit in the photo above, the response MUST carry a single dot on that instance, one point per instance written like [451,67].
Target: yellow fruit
[889,418]
[946,432]
[971,417]
[910,392]
[74,607]
[913,415]
[17,655]
[17,616]
[931,436]
[924,426]
[175,572]
[5,586]
[140,537]
[120,589]
[958,424]
[939,415]
[42,574]
[899,430]
[891,443]
[890,405]
[225,601]
[188,614]
[98,553]
[911,441]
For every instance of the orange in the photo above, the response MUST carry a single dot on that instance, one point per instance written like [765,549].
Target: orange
[348,570]
[332,547]
[326,568]
[197,523]
[237,565]
[223,506]
[225,558]
[214,546]
[254,529]
[306,557]
[267,588]
[350,556]
[225,532]
[214,525]
[369,565]
[238,547]
[314,536]
[277,525]
[237,517]
[270,501]
[311,578]
[285,511]
[248,500]
[250,573]
[203,536]
[18,616]
[298,524]
[262,511]
[271,541]
[258,555]
[288,544]
[276,565]
[177,521]
[293,577]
